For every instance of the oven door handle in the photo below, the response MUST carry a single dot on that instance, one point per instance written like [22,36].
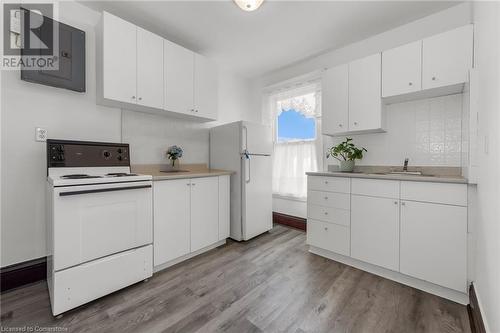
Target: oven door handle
[112,189]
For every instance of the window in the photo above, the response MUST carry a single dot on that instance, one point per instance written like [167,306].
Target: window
[295,115]
[294,126]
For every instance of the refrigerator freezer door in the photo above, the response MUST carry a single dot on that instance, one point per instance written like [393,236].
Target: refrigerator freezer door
[256,138]
[257,195]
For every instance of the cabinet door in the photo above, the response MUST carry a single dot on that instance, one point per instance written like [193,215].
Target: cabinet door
[171,220]
[335,100]
[178,78]
[119,59]
[328,236]
[375,231]
[149,69]
[433,243]
[204,212]
[365,106]
[205,87]
[447,58]
[224,208]
[402,69]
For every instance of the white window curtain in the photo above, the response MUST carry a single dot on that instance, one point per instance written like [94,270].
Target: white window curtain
[292,159]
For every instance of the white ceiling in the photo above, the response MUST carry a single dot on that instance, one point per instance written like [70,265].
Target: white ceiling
[276,35]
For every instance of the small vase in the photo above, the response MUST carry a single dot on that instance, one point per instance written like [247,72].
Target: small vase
[346,166]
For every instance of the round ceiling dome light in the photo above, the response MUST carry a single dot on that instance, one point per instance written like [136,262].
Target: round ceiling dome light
[249,5]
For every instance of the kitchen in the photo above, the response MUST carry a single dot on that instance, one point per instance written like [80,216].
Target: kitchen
[237,91]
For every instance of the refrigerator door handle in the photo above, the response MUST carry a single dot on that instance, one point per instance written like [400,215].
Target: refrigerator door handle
[249,171]
[246,138]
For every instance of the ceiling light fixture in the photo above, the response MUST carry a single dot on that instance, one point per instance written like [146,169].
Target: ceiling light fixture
[249,5]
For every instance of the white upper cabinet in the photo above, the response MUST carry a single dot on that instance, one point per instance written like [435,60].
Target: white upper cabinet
[205,87]
[179,78]
[365,105]
[402,69]
[119,62]
[139,69]
[149,69]
[447,58]
[335,100]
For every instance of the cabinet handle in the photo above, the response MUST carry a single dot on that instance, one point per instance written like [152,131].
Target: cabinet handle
[403,204]
[133,97]
[340,125]
[326,181]
[188,184]
[326,198]
[196,110]
[193,184]
[140,98]
[356,123]
[410,83]
[192,110]
[326,228]
[433,78]
[326,213]
[395,202]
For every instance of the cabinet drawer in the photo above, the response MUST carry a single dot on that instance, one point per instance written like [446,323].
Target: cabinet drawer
[329,184]
[451,194]
[327,236]
[376,188]
[329,199]
[329,214]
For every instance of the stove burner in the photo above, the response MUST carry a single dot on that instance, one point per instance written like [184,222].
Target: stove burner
[79,176]
[120,174]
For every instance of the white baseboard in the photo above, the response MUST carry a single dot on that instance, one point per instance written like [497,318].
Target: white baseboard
[431,288]
[161,267]
[481,308]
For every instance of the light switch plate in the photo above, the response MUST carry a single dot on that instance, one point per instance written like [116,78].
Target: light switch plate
[40,134]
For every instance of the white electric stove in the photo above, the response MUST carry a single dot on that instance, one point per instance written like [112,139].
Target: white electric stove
[100,224]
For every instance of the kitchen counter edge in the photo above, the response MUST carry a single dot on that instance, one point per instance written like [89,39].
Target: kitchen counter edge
[431,179]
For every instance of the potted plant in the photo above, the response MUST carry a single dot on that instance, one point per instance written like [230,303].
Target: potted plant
[173,154]
[346,152]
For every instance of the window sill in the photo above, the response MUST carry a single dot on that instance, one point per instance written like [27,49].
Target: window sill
[287,197]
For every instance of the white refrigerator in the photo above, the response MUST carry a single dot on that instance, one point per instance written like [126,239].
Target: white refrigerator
[246,148]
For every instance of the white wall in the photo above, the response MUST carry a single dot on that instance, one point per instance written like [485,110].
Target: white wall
[71,115]
[487,226]
[65,114]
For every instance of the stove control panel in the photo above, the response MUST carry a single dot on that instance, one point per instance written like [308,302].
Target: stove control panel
[65,153]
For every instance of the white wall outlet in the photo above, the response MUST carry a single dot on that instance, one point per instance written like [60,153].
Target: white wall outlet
[40,134]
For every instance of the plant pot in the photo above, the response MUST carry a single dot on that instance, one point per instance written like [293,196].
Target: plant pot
[346,166]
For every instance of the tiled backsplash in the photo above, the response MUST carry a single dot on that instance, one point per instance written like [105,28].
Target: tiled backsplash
[150,135]
[428,132]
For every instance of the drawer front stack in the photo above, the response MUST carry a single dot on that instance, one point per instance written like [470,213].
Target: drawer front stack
[329,213]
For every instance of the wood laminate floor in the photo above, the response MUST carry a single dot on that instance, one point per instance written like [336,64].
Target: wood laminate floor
[269,284]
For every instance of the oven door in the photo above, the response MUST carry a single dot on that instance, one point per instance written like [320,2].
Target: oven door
[93,221]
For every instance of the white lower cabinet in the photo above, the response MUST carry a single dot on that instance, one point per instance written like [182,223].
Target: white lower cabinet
[328,236]
[171,219]
[204,212]
[417,229]
[189,215]
[375,230]
[433,243]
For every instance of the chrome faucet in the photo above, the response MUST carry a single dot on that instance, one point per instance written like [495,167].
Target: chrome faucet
[405,166]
